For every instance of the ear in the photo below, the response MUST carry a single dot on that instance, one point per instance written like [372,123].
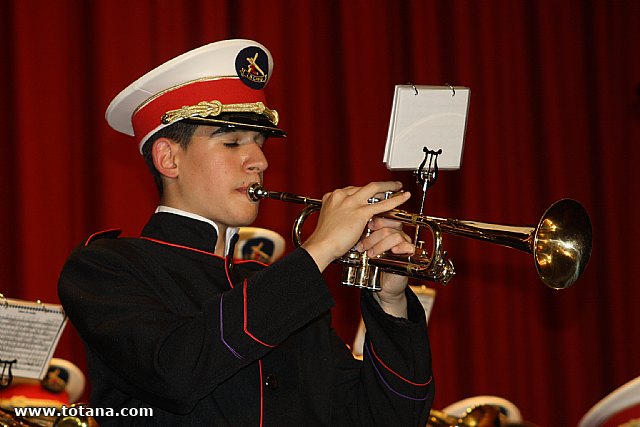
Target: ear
[164,153]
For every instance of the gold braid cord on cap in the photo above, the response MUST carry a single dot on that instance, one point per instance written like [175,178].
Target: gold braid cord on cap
[214,108]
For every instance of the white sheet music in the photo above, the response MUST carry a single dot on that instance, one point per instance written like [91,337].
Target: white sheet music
[426,116]
[29,333]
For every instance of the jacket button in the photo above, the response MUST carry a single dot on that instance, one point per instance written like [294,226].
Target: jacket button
[271,382]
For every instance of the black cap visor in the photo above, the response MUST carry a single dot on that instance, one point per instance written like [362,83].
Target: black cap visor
[242,121]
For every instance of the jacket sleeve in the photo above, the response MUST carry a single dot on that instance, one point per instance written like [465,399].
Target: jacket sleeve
[122,306]
[394,383]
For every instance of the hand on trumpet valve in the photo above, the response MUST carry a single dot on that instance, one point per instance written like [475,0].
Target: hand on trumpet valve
[344,215]
[347,219]
[387,235]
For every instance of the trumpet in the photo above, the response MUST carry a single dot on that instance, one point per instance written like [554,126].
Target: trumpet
[560,243]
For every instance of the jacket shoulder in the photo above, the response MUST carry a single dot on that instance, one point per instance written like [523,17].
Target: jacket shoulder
[113,233]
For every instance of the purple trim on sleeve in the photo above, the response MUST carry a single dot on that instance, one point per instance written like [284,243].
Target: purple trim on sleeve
[366,348]
[235,353]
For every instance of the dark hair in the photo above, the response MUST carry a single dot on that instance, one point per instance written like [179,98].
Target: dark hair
[180,132]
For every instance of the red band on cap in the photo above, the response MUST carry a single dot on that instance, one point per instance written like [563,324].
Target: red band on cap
[623,416]
[226,90]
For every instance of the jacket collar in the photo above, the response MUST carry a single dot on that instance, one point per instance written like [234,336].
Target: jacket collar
[185,229]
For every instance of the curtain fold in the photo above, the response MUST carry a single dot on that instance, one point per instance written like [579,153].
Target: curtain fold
[554,113]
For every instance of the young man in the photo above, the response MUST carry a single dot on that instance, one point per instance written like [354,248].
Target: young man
[172,323]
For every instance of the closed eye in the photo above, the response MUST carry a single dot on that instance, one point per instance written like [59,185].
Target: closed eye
[232,142]
[232,138]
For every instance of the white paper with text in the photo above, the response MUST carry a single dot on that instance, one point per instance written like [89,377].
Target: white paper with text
[29,334]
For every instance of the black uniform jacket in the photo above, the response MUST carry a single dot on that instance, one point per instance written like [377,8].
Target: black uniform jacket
[170,326]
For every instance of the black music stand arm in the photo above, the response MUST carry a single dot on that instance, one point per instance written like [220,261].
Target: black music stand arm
[6,374]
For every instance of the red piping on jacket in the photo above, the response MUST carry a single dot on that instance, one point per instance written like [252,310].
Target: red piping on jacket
[226,270]
[246,329]
[94,235]
[395,373]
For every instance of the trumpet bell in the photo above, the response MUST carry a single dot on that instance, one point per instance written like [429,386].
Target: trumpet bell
[562,244]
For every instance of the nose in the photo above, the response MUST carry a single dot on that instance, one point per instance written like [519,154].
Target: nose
[255,161]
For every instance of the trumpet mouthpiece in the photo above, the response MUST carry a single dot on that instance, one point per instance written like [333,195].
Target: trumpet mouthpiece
[256,192]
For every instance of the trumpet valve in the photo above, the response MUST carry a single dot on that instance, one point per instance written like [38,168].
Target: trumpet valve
[358,272]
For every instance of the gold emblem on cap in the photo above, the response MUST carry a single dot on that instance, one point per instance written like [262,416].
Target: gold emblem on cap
[214,108]
[258,77]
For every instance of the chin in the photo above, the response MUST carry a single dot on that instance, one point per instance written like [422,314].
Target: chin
[247,218]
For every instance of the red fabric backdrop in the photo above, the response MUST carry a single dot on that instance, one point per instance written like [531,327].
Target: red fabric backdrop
[555,112]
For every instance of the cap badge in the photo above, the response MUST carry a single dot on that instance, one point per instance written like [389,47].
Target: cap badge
[252,66]
[56,379]
[258,249]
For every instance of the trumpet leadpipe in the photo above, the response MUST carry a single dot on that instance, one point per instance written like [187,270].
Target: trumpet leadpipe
[257,192]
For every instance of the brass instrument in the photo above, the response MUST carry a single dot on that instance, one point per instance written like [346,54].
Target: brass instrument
[560,243]
[484,415]
[478,416]
[9,419]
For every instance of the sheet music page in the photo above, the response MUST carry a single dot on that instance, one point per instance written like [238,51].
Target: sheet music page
[29,333]
[426,116]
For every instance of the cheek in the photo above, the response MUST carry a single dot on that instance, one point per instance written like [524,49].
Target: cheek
[218,168]
[209,170]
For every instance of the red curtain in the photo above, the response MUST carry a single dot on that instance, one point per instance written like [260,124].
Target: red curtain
[554,113]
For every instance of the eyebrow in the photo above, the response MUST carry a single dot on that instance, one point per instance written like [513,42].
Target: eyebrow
[221,130]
